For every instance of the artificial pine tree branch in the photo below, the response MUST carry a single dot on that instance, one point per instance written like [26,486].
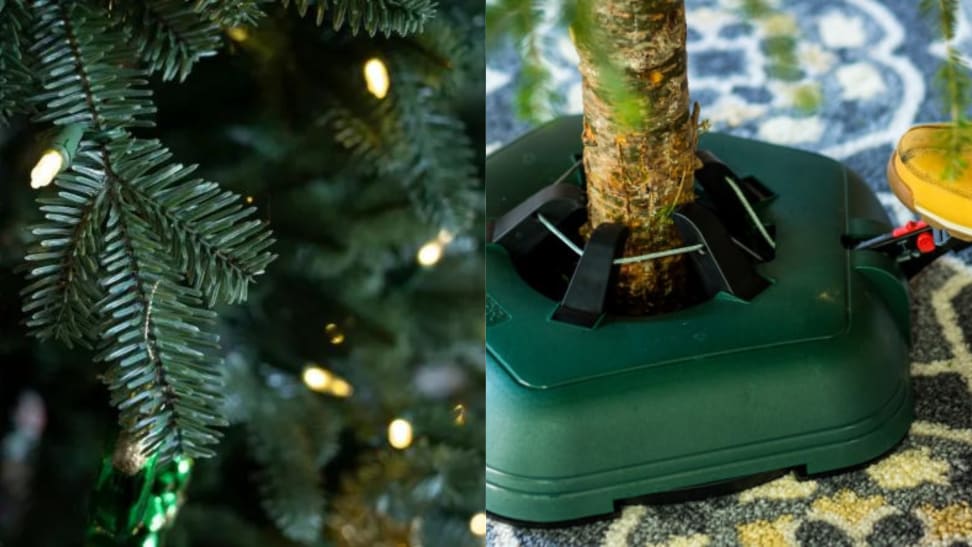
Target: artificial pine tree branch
[231,13]
[163,372]
[425,150]
[152,228]
[83,72]
[63,264]
[291,438]
[210,234]
[171,36]
[386,16]
[16,81]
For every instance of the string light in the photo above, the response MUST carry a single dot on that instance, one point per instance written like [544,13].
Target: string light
[317,379]
[324,381]
[445,236]
[477,524]
[334,333]
[48,166]
[157,522]
[431,253]
[460,411]
[249,200]
[400,433]
[57,157]
[341,388]
[238,34]
[184,466]
[376,77]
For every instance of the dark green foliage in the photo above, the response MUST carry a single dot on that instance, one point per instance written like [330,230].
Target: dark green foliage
[135,248]
[170,35]
[289,451]
[158,338]
[84,72]
[63,265]
[208,232]
[156,233]
[431,156]
[15,79]
[232,12]
[388,16]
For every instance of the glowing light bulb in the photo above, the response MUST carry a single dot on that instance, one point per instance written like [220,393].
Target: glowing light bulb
[334,333]
[316,378]
[48,166]
[184,466]
[151,540]
[376,77]
[400,433]
[341,388]
[238,34]
[460,412]
[157,522]
[249,200]
[477,524]
[430,253]
[445,236]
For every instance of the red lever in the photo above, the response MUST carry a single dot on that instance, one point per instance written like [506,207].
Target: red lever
[910,227]
[925,242]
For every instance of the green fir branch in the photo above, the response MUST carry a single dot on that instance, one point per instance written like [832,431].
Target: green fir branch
[170,35]
[426,151]
[291,437]
[210,234]
[63,262]
[84,72]
[16,81]
[232,13]
[389,17]
[163,371]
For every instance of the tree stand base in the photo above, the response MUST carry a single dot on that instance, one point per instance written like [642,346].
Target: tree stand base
[810,373]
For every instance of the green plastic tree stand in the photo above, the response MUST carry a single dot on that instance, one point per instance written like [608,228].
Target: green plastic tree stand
[811,374]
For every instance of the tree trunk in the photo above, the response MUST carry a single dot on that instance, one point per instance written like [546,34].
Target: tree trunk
[639,136]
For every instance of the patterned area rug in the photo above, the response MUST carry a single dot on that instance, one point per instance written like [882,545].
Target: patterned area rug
[867,67]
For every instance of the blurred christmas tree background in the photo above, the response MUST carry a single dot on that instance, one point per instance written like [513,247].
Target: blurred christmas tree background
[353,372]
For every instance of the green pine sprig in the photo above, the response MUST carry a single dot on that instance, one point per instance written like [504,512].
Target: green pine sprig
[389,17]
[170,35]
[231,13]
[133,250]
[16,81]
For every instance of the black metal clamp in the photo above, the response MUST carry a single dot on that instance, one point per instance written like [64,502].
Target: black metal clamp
[725,238]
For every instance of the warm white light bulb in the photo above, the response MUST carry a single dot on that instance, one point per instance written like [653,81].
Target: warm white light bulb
[48,166]
[430,253]
[400,433]
[238,34]
[184,466]
[317,378]
[445,236]
[157,522]
[376,77]
[340,388]
[477,524]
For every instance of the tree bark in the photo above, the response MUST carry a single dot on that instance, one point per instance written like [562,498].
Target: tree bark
[639,137]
